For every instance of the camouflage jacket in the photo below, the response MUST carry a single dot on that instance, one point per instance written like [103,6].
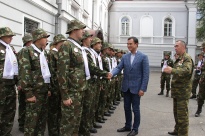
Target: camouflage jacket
[169,63]
[2,59]
[30,72]
[71,70]
[52,58]
[181,80]
[105,62]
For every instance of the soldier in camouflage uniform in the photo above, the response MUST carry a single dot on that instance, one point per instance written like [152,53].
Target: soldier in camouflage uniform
[201,94]
[181,88]
[27,41]
[73,71]
[119,81]
[167,61]
[106,52]
[197,74]
[54,100]
[8,80]
[35,79]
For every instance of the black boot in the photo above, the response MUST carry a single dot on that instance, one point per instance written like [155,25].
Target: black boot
[161,93]
[167,95]
[199,110]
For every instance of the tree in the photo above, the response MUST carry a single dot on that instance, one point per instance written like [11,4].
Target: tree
[200,34]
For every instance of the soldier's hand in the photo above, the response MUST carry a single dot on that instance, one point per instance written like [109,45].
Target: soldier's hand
[168,70]
[32,99]
[19,88]
[67,102]
[109,75]
[49,93]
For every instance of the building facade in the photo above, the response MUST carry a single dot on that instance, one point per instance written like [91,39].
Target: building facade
[23,16]
[156,23]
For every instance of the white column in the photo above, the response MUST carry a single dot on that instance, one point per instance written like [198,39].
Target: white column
[192,32]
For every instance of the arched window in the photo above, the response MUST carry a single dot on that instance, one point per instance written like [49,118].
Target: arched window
[125,26]
[168,27]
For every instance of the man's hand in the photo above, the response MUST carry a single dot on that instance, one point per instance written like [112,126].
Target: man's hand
[67,102]
[168,70]
[32,99]
[19,88]
[141,93]
[109,75]
[49,93]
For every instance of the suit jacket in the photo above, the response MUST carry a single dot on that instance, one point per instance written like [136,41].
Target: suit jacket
[136,76]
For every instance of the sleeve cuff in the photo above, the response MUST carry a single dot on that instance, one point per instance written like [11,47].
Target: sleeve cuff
[29,94]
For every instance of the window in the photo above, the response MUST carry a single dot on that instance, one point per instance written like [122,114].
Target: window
[125,26]
[30,25]
[74,12]
[167,27]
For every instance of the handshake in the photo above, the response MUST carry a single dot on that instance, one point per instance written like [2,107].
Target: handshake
[109,75]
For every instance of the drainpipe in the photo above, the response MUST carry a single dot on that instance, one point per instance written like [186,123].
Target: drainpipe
[93,14]
[187,27]
[59,3]
[109,19]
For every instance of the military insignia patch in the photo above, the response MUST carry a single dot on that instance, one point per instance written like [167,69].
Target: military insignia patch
[75,49]
[2,51]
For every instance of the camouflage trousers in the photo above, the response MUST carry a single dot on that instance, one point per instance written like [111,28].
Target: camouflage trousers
[195,83]
[22,108]
[96,100]
[181,116]
[7,108]
[109,101]
[103,99]
[87,117]
[165,79]
[36,116]
[54,114]
[201,94]
[71,115]
[112,91]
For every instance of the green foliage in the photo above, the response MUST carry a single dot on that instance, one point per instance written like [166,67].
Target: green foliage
[200,34]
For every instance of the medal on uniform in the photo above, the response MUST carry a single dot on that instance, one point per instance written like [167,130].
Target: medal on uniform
[2,51]
[75,49]
[36,54]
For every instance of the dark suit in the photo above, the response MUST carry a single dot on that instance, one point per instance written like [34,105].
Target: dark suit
[136,76]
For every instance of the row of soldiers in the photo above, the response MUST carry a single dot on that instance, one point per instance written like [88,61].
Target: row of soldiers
[199,78]
[70,88]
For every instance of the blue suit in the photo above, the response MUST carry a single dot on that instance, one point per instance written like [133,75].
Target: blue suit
[136,77]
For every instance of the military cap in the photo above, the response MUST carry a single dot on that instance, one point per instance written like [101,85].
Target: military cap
[38,34]
[27,37]
[6,31]
[167,53]
[75,25]
[104,46]
[111,47]
[118,50]
[86,35]
[95,40]
[202,54]
[202,45]
[58,38]
[51,44]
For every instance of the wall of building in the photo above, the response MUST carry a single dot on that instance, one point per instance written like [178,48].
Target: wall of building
[13,12]
[151,39]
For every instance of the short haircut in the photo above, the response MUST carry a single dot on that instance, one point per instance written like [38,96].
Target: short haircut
[134,39]
[183,42]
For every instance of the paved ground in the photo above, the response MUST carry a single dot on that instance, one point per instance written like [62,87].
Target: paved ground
[156,115]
